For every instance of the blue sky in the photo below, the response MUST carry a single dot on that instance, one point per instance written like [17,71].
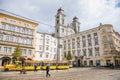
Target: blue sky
[89,12]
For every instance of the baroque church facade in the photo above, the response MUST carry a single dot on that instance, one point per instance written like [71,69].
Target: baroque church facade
[96,46]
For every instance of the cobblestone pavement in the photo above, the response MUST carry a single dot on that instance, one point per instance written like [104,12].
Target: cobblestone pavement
[71,74]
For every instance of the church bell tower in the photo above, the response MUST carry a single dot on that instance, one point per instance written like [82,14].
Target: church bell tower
[60,28]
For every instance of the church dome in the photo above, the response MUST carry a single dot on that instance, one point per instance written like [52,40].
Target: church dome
[75,18]
[60,9]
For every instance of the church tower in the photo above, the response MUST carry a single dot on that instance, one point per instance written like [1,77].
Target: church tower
[60,28]
[76,25]
[60,31]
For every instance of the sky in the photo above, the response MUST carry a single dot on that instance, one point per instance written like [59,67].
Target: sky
[90,12]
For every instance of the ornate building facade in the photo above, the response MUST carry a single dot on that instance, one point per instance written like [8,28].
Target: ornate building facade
[16,30]
[96,46]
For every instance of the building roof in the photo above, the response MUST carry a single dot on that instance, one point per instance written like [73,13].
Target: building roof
[17,16]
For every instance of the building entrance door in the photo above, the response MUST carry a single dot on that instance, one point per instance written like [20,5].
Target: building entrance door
[79,63]
[90,63]
[108,62]
[5,60]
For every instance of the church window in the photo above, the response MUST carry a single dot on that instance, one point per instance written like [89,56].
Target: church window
[62,21]
[57,21]
[73,43]
[57,30]
[78,52]
[57,16]
[78,44]
[97,51]
[63,30]
[90,52]
[84,52]
[65,54]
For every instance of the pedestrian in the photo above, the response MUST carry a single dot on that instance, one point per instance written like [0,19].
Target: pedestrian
[35,68]
[47,70]
[112,65]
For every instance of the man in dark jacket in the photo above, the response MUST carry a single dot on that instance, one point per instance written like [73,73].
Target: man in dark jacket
[35,68]
[47,71]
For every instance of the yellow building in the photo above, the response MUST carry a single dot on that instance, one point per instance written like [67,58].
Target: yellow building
[14,30]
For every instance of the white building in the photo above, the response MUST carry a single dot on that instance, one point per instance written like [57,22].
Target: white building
[96,46]
[46,47]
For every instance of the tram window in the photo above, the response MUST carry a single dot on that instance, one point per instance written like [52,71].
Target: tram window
[46,63]
[54,64]
[39,64]
[51,64]
[42,64]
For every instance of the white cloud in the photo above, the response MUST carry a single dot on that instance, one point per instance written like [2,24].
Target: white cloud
[93,12]
[89,12]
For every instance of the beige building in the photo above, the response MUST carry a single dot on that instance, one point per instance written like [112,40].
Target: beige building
[14,30]
[110,45]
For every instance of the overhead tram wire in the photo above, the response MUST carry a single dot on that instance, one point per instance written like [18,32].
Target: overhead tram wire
[25,18]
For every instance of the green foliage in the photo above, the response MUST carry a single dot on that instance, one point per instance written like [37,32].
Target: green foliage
[69,56]
[17,53]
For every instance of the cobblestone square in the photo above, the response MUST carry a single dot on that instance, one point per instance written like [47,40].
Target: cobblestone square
[71,74]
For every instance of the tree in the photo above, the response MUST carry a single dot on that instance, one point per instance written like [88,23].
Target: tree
[17,53]
[69,56]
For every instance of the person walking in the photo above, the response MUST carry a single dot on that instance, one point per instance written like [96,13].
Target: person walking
[35,68]
[47,70]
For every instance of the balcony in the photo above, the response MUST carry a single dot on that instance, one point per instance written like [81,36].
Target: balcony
[14,44]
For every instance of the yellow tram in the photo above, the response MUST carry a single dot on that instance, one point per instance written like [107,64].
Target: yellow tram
[51,63]
[62,65]
[13,67]
[55,65]
[27,65]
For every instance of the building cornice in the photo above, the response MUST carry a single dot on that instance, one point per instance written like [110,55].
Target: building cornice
[6,13]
